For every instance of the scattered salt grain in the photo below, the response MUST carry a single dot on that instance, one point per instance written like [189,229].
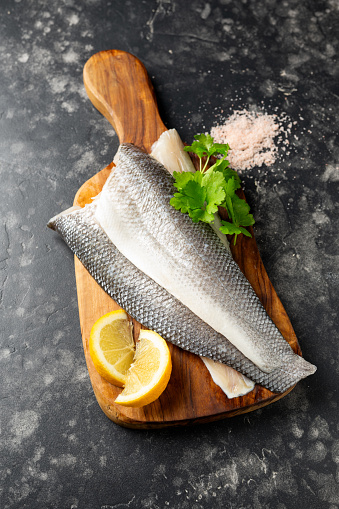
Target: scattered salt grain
[251,137]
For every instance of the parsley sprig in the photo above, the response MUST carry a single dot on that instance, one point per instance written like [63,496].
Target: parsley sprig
[201,193]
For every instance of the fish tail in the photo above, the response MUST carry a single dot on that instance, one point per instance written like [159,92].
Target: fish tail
[294,369]
[53,221]
[299,368]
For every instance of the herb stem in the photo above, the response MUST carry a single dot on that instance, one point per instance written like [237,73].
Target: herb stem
[205,165]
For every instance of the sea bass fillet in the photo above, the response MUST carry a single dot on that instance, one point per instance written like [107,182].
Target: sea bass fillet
[134,211]
[153,306]
[169,151]
[230,381]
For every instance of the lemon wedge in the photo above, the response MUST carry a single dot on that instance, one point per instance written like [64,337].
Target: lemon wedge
[149,374]
[143,369]
[111,346]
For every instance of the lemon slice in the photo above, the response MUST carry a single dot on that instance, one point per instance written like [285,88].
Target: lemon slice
[111,346]
[150,372]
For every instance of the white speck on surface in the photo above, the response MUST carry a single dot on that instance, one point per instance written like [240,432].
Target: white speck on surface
[23,58]
[25,260]
[70,57]
[331,173]
[206,11]
[80,374]
[23,425]
[319,429]
[297,432]
[73,19]
[64,460]
[58,84]
[17,147]
[4,353]
[20,312]
[48,379]
[86,160]
[57,336]
[317,452]
[320,217]
[335,452]
[69,106]
[103,461]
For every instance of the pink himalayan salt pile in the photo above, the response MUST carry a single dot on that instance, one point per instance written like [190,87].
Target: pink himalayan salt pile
[250,136]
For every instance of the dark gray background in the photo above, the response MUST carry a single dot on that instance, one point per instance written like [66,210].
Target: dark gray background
[57,448]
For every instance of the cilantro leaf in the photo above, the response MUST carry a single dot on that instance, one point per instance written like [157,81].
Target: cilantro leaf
[223,167]
[221,148]
[181,179]
[191,196]
[179,202]
[215,194]
[238,210]
[199,194]
[241,211]
[231,229]
[232,185]
[202,146]
[220,165]
[201,215]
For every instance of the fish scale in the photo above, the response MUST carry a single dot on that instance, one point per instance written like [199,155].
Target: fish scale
[152,305]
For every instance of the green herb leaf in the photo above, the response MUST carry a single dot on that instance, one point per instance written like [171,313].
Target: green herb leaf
[191,196]
[221,148]
[241,212]
[181,179]
[230,228]
[200,215]
[222,165]
[202,192]
[203,146]
[215,194]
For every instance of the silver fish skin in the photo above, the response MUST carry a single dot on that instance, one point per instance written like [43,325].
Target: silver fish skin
[152,305]
[134,210]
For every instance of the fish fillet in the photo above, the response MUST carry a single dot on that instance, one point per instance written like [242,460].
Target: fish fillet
[152,305]
[230,381]
[169,151]
[134,211]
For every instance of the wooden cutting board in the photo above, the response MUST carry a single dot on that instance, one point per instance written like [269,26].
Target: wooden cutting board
[118,85]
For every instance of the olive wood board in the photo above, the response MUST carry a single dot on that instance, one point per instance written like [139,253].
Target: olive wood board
[118,86]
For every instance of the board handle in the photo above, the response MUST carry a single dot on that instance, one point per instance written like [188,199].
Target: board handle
[118,85]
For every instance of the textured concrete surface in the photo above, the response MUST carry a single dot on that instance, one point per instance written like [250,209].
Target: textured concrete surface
[206,59]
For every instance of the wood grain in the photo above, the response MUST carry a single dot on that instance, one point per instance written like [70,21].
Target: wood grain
[118,85]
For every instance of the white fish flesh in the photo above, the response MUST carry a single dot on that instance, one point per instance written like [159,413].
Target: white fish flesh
[169,151]
[230,381]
